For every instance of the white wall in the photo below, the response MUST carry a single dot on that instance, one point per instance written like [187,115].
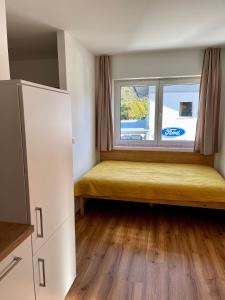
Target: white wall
[220,157]
[77,74]
[4,59]
[166,64]
[43,71]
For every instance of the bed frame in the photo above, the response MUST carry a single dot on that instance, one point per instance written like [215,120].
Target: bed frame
[157,156]
[214,205]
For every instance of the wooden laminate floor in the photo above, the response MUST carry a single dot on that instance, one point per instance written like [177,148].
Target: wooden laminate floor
[132,251]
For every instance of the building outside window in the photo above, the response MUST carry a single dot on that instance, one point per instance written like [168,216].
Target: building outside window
[186,109]
[156,113]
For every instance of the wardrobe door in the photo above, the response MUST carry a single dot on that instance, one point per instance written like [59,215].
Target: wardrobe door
[48,142]
[54,264]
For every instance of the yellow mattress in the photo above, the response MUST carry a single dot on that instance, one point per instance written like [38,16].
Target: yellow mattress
[152,181]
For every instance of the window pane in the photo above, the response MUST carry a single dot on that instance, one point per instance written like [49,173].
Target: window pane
[180,110]
[137,113]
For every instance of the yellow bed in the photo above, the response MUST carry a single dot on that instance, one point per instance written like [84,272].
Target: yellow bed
[165,183]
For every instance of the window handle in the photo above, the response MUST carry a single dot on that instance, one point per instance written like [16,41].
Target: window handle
[41,268]
[160,116]
[39,216]
[10,266]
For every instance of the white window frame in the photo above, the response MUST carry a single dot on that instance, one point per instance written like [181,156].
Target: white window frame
[158,143]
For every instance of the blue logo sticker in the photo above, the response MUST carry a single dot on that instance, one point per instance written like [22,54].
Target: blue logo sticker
[173,132]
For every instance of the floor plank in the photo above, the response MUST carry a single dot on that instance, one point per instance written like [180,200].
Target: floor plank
[132,251]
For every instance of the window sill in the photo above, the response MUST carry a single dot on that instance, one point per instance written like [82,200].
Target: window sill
[165,149]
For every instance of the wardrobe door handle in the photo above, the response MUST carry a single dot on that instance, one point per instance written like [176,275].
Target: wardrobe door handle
[39,216]
[41,268]
[10,266]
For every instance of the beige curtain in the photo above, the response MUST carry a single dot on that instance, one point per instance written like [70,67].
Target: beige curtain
[206,141]
[104,113]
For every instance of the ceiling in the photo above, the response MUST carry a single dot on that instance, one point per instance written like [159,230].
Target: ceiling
[116,26]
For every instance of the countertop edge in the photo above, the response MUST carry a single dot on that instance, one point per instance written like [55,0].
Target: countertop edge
[16,242]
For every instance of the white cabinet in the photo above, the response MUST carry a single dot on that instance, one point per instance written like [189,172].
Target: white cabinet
[54,270]
[48,134]
[16,274]
[37,176]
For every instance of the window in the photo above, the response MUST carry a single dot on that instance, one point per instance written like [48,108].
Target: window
[185,109]
[137,108]
[156,113]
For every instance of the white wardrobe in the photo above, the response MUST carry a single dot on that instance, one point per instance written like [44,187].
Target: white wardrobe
[36,179]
